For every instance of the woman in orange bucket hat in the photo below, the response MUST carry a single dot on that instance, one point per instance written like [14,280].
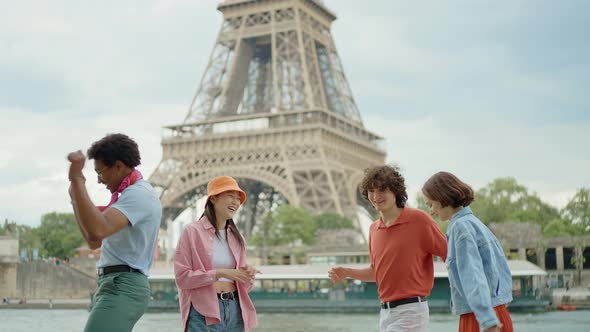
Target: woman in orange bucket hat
[212,276]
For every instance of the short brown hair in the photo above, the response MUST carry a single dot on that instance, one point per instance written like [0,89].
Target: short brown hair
[448,190]
[382,177]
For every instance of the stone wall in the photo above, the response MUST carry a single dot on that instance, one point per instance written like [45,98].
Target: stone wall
[45,280]
[8,264]
[8,280]
[9,248]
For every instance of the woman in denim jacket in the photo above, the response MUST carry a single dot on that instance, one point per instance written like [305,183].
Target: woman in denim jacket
[481,283]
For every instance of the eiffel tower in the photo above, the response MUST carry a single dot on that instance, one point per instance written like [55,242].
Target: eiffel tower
[275,111]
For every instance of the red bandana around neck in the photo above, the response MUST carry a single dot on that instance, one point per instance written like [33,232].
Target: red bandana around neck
[129,180]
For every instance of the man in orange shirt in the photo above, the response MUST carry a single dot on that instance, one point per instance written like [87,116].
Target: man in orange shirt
[402,243]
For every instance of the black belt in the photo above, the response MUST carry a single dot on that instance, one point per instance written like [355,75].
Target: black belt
[228,295]
[393,304]
[115,268]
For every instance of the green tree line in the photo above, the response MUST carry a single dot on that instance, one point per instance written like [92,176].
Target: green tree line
[56,236]
[291,226]
[505,200]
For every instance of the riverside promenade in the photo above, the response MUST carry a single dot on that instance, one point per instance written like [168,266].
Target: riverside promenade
[578,297]
[47,304]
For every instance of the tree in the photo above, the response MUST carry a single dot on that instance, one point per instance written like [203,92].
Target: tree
[577,210]
[287,225]
[28,239]
[578,259]
[329,220]
[560,227]
[59,235]
[267,236]
[505,200]
[294,224]
[267,233]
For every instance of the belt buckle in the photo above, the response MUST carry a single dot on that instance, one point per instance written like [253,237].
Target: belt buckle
[100,271]
[222,295]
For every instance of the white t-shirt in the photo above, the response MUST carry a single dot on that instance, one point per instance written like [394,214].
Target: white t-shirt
[222,256]
[135,244]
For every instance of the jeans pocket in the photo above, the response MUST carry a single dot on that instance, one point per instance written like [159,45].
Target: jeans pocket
[196,322]
[108,286]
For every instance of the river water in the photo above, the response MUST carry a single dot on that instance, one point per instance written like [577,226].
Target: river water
[26,320]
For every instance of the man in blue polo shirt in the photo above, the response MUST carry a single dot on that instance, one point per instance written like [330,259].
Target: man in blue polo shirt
[125,230]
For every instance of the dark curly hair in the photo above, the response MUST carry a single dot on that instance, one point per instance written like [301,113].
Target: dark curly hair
[115,147]
[382,177]
[448,190]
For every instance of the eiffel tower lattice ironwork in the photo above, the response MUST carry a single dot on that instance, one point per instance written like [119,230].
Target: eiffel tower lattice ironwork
[274,110]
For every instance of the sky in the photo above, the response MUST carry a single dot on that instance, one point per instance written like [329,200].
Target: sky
[483,89]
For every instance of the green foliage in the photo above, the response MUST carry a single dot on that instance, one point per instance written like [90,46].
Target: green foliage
[330,220]
[294,224]
[59,235]
[288,226]
[285,226]
[267,234]
[505,200]
[560,227]
[577,210]
[28,238]
[575,218]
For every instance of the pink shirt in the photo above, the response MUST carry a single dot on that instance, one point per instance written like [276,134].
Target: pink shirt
[195,275]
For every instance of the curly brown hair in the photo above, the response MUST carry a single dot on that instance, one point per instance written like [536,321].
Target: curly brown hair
[448,190]
[115,147]
[382,177]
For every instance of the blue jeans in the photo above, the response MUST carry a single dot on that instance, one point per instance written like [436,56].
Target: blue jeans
[230,316]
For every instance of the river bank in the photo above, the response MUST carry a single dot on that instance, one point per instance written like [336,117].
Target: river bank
[74,320]
[58,304]
[572,299]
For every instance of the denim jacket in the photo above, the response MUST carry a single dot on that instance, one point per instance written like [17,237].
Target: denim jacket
[478,272]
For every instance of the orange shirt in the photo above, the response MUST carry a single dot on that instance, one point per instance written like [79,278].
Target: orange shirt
[402,254]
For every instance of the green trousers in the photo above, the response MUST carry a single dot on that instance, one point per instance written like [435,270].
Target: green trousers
[120,300]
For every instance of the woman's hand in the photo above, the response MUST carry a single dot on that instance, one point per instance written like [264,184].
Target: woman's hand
[234,274]
[251,270]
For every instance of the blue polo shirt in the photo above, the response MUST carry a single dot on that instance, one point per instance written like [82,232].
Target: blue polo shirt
[135,244]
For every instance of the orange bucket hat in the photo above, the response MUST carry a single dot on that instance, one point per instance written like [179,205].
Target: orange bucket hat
[222,184]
